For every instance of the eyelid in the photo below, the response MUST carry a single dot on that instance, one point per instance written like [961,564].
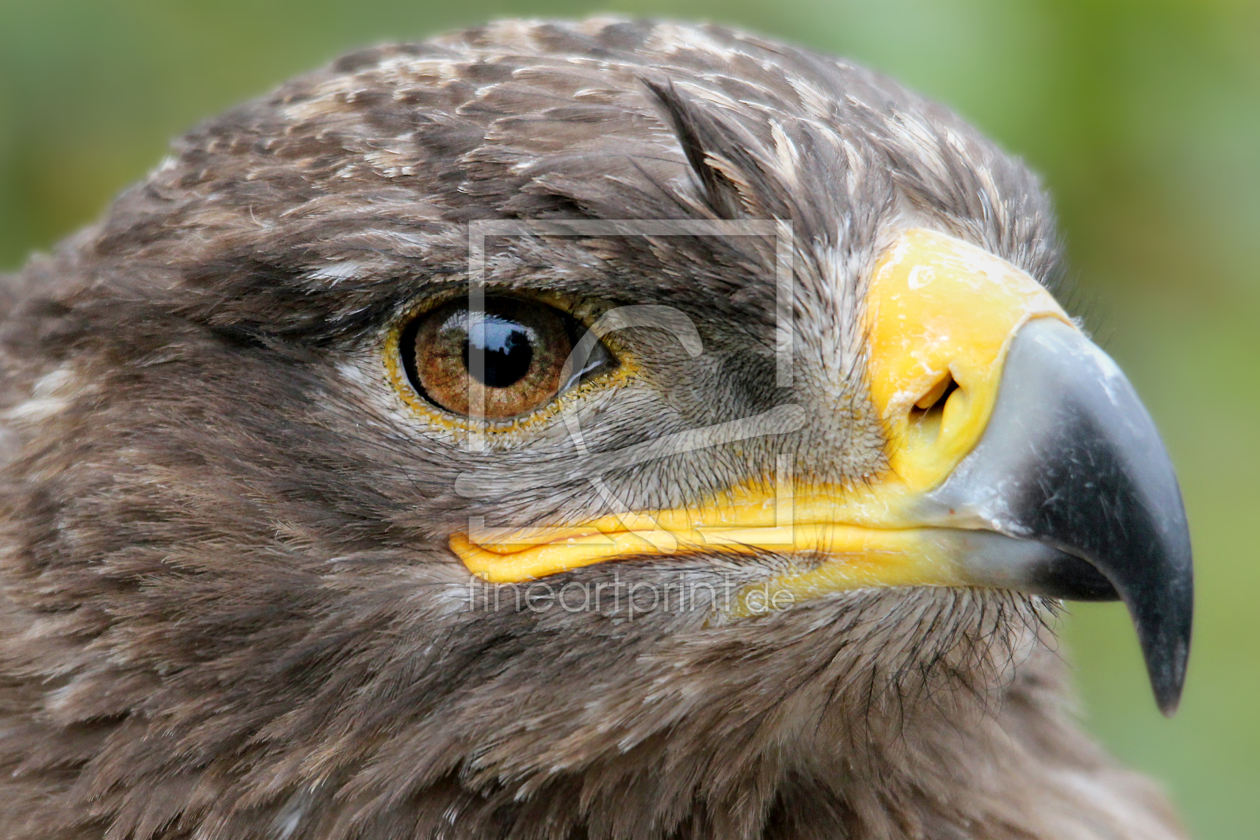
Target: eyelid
[588,356]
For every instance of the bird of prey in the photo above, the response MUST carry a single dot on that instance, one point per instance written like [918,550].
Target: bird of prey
[609,430]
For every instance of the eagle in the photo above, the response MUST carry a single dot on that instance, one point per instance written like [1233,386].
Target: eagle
[599,430]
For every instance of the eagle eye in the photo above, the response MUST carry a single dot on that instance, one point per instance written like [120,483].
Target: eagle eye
[503,359]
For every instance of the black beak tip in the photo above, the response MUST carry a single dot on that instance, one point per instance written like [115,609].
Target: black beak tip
[1167,686]
[1167,654]
[1161,603]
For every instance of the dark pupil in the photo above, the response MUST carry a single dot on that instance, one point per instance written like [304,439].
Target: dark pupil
[505,347]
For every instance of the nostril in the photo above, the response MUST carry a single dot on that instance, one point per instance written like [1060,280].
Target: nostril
[937,395]
[927,411]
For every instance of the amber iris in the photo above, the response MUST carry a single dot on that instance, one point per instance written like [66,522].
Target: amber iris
[499,361]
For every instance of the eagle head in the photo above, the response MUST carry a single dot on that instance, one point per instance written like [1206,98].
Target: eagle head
[570,430]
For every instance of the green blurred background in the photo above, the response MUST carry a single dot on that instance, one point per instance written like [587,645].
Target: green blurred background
[1142,115]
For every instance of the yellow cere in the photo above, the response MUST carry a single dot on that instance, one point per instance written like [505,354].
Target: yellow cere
[937,308]
[940,308]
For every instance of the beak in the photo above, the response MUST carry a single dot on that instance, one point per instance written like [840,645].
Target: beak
[1019,457]
[1071,462]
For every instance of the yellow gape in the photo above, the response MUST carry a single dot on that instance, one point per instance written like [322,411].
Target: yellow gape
[941,316]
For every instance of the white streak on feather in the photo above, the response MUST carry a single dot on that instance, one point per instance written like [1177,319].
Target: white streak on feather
[335,273]
[49,396]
